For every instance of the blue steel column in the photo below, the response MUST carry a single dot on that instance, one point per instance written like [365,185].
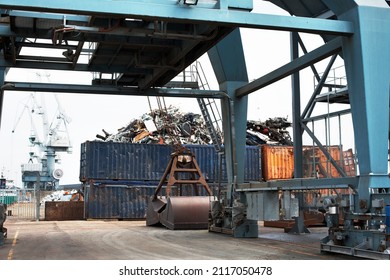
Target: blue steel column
[299,225]
[228,61]
[2,78]
[367,62]
[296,110]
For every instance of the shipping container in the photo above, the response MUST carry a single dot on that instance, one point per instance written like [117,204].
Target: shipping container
[316,164]
[133,162]
[64,210]
[252,165]
[122,161]
[349,163]
[116,201]
[277,162]
[105,201]
[8,196]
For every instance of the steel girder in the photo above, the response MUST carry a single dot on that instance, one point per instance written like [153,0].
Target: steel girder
[229,65]
[112,90]
[129,42]
[2,76]
[216,13]
[295,65]
[367,57]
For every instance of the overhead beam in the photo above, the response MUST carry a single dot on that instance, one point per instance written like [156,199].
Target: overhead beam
[300,184]
[3,73]
[72,18]
[125,36]
[68,66]
[328,115]
[111,90]
[28,44]
[172,11]
[330,48]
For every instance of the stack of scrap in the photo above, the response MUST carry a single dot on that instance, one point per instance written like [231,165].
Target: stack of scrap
[62,195]
[169,125]
[272,132]
[163,127]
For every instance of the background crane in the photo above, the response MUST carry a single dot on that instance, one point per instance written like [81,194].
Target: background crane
[46,141]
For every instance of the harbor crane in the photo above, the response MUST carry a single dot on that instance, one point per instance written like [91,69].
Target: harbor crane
[45,146]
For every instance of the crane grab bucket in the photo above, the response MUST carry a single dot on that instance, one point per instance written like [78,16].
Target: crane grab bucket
[175,210]
[186,212]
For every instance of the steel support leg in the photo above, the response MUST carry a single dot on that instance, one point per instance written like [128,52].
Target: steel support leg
[299,226]
[228,61]
[366,55]
[2,78]
[367,58]
[296,110]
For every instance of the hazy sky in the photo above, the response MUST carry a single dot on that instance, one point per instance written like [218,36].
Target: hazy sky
[89,114]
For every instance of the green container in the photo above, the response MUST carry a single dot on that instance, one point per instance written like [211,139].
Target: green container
[8,198]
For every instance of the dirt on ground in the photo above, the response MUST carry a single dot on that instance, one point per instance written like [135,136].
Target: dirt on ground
[124,240]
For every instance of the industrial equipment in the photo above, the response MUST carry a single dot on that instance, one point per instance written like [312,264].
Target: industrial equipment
[191,210]
[180,208]
[54,138]
[3,216]
[362,234]
[143,48]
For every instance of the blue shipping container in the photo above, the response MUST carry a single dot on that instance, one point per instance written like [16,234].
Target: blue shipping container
[104,201]
[116,202]
[131,162]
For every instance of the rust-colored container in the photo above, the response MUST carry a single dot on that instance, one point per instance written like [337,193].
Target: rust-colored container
[64,210]
[277,162]
[316,164]
[349,163]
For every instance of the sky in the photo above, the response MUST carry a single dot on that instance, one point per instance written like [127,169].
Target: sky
[264,50]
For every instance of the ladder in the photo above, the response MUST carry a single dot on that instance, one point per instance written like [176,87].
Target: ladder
[211,116]
[208,108]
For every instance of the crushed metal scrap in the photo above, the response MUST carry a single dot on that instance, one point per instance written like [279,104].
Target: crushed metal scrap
[273,131]
[159,126]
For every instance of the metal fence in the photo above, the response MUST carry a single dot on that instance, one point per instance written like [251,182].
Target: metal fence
[24,204]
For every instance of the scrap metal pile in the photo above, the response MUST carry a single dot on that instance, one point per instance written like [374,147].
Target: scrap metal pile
[163,127]
[62,195]
[273,131]
[168,125]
